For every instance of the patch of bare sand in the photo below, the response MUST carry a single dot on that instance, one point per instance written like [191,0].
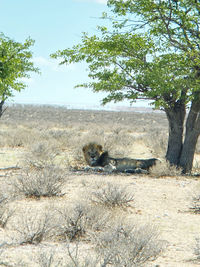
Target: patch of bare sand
[10,157]
[161,202]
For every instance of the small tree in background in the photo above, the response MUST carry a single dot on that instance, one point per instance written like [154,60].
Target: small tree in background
[15,63]
[150,51]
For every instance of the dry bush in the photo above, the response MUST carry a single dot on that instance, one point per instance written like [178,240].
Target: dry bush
[47,258]
[33,226]
[127,246]
[17,137]
[195,206]
[111,195]
[76,260]
[165,169]
[5,211]
[47,182]
[78,221]
[41,154]
[74,222]
[197,249]
[76,159]
[157,141]
[5,261]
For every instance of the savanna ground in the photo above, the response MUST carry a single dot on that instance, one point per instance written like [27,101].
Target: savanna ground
[53,213]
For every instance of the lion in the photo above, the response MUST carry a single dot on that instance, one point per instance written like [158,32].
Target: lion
[92,153]
[96,157]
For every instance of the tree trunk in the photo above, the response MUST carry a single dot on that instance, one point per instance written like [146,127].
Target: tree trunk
[1,107]
[191,137]
[188,150]
[175,116]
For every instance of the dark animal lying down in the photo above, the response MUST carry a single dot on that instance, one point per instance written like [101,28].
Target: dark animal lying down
[126,164]
[96,157]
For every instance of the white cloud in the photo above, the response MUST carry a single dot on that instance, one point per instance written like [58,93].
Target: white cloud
[52,64]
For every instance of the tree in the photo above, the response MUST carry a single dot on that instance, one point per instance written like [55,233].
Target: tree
[14,66]
[150,51]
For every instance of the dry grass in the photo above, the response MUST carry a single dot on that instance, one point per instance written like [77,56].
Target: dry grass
[78,221]
[47,182]
[6,212]
[111,195]
[128,245]
[197,249]
[165,169]
[33,226]
[50,211]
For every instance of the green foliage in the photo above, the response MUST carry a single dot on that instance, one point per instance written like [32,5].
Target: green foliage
[150,51]
[14,65]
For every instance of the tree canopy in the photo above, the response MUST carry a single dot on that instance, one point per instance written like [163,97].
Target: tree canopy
[144,56]
[15,64]
[151,51]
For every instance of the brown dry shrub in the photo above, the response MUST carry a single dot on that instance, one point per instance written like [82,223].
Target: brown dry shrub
[32,226]
[41,154]
[110,195]
[6,212]
[78,221]
[164,168]
[18,137]
[47,182]
[128,245]
[157,141]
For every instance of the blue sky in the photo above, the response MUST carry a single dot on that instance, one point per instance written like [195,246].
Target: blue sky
[54,25]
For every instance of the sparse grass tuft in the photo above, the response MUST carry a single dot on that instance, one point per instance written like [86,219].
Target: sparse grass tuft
[46,182]
[126,245]
[197,249]
[5,211]
[73,222]
[76,260]
[48,259]
[41,154]
[111,195]
[77,221]
[165,169]
[33,226]
[157,141]
[195,206]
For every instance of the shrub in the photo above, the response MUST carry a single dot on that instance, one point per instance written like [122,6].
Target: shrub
[197,249]
[125,245]
[165,169]
[33,226]
[76,260]
[48,259]
[111,195]
[76,222]
[195,206]
[41,155]
[157,141]
[46,182]
[5,211]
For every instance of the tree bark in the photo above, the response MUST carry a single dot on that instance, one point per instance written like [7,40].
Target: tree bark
[191,137]
[1,107]
[176,117]
[188,150]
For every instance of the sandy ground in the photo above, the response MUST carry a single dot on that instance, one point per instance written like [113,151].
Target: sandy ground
[162,202]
